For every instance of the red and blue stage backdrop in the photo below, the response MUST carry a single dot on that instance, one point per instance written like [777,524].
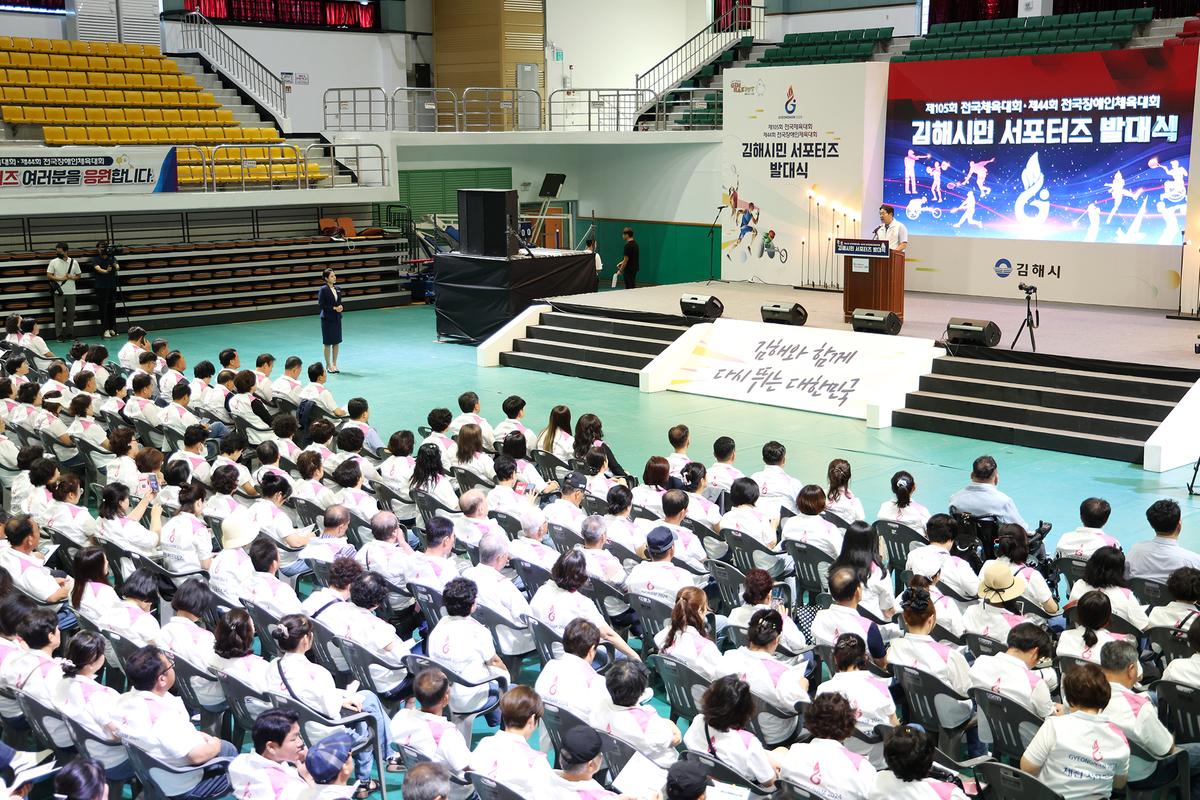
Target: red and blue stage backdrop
[1080,147]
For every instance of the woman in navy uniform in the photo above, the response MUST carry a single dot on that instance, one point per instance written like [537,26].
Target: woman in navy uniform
[330,301]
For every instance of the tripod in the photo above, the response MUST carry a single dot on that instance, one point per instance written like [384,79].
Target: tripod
[1033,318]
[1191,487]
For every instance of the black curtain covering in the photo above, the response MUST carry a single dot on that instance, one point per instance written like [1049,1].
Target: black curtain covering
[477,295]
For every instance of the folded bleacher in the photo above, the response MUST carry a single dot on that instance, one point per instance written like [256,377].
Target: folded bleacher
[1026,36]
[826,47]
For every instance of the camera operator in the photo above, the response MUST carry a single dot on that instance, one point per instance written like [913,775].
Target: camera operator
[105,270]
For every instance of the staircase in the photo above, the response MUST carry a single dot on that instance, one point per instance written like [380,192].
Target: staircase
[592,346]
[1106,414]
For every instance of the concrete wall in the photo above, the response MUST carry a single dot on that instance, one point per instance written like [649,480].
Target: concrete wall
[41,26]
[903,18]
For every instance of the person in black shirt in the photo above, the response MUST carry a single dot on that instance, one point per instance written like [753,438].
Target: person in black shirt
[105,268]
[631,262]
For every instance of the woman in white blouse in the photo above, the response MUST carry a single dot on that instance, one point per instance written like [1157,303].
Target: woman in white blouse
[469,455]
[122,469]
[515,447]
[233,653]
[134,619]
[558,601]
[349,478]
[841,500]
[293,675]
[823,765]
[67,516]
[870,696]
[397,469]
[91,704]
[91,595]
[557,437]
[686,638]
[1012,550]
[1105,572]
[902,508]
[618,524]
[700,508]
[186,538]
[756,596]
[860,550]
[1093,615]
[127,528]
[781,684]
[184,636]
[430,476]
[83,426]
[721,731]
[656,478]
[809,527]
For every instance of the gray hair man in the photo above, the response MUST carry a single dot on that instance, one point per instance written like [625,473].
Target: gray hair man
[500,594]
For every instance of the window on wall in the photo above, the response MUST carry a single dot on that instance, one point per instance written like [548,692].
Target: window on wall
[435,191]
[329,14]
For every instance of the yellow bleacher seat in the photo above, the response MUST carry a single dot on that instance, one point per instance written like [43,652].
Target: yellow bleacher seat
[134,97]
[80,80]
[207,116]
[117,65]
[160,135]
[77,63]
[5,59]
[79,48]
[151,50]
[35,95]
[54,135]
[12,94]
[77,135]
[214,135]
[135,116]
[55,115]
[32,115]
[40,77]
[173,116]
[83,97]
[191,134]
[13,115]
[189,116]
[42,45]
[58,61]
[98,135]
[60,46]
[56,96]
[98,48]
[95,116]
[139,135]
[187,98]
[40,61]
[152,116]
[106,97]
[113,116]
[187,82]
[117,49]
[97,63]
[6,43]
[119,135]
[152,81]
[225,117]
[76,116]
[19,60]
[22,43]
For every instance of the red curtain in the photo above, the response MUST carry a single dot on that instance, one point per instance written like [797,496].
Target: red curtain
[301,13]
[213,9]
[352,15]
[967,10]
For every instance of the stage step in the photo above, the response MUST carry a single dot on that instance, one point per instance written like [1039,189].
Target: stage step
[592,346]
[1104,414]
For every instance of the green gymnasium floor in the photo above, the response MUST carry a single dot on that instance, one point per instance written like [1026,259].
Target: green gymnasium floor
[392,358]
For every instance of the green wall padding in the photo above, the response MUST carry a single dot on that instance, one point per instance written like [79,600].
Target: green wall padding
[435,191]
[670,252]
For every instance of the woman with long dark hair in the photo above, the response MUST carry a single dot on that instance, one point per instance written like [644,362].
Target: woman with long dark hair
[430,476]
[557,437]
[92,596]
[720,730]
[515,447]
[841,500]
[126,527]
[329,305]
[1093,615]
[1105,572]
[469,454]
[860,551]
[589,433]
[91,704]
[687,638]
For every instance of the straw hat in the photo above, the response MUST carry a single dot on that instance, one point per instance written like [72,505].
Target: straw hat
[238,530]
[998,584]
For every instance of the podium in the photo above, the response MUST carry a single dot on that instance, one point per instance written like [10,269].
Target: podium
[873,276]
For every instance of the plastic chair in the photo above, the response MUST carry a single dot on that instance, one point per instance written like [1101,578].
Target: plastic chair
[428,506]
[981,645]
[547,643]
[510,524]
[245,705]
[415,663]
[564,539]
[617,751]
[549,466]
[559,720]
[532,575]
[147,768]
[168,581]
[310,716]
[595,505]
[747,553]
[655,616]
[430,601]
[1013,725]
[899,539]
[1179,709]
[187,675]
[682,684]
[1169,643]
[1070,568]
[1150,593]
[308,512]
[765,707]
[929,701]
[360,660]
[263,620]
[412,757]
[328,652]
[494,621]
[976,539]
[627,557]
[88,744]
[1010,783]
[47,725]
[718,770]
[468,480]
[714,543]
[492,789]
[812,569]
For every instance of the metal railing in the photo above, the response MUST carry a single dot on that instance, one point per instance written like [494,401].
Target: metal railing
[698,51]
[201,35]
[246,167]
[687,110]
[358,108]
[419,109]
[349,163]
[596,109]
[497,108]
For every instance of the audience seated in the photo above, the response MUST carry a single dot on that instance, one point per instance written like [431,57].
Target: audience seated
[981,498]
[1090,535]
[625,715]
[867,693]
[514,411]
[842,501]
[777,489]
[902,508]
[462,644]
[846,589]
[1105,572]
[570,681]
[468,404]
[426,729]
[721,730]
[824,764]
[808,525]
[1155,559]
[506,755]
[956,574]
[908,752]
[93,705]
[780,684]
[659,578]
[558,601]
[1184,586]
[687,638]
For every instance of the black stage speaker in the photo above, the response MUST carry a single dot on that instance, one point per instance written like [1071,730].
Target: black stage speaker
[487,222]
[783,314]
[552,184]
[870,320]
[705,306]
[980,332]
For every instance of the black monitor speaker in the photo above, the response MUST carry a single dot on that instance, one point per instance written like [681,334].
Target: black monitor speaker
[487,222]
[979,332]
[552,184]
[870,320]
[783,314]
[705,306]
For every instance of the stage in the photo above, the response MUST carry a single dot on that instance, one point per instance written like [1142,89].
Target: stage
[1103,333]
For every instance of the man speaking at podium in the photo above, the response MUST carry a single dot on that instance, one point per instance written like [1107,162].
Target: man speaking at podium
[890,230]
